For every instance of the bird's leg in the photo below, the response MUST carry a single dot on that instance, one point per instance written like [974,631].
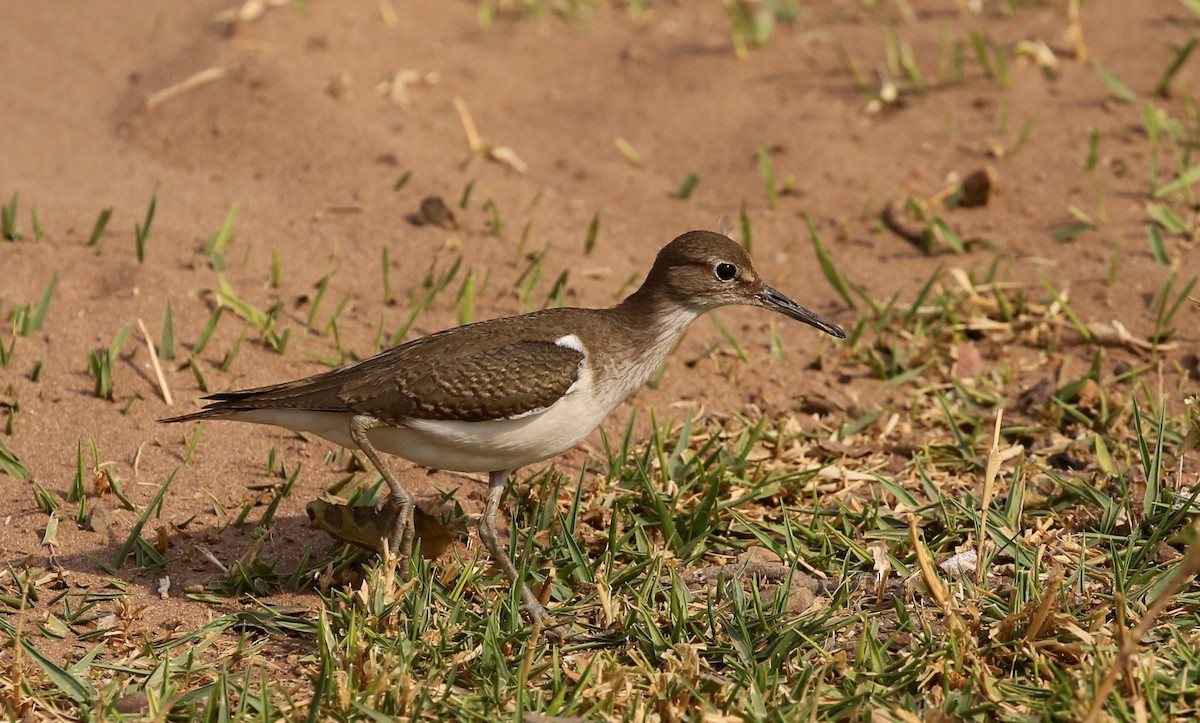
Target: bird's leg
[401,537]
[497,481]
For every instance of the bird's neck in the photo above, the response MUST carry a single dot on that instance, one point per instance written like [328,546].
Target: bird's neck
[654,322]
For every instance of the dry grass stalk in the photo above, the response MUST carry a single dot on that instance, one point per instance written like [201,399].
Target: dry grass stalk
[925,561]
[1047,604]
[163,388]
[204,77]
[501,154]
[989,488]
[1075,30]
[474,142]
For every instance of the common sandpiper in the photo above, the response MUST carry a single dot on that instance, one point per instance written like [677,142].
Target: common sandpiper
[497,395]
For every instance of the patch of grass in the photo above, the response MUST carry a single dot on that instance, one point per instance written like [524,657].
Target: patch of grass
[142,230]
[1184,180]
[6,353]
[1166,305]
[1164,216]
[264,322]
[11,464]
[214,249]
[751,24]
[134,545]
[100,363]
[982,47]
[28,320]
[8,219]
[1163,88]
[725,567]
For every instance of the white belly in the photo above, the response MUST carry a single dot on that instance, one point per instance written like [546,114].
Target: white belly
[502,444]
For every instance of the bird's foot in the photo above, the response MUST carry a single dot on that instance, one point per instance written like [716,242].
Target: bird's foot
[401,536]
[536,613]
[556,631]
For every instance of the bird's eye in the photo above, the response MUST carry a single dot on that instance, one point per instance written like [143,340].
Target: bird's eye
[726,271]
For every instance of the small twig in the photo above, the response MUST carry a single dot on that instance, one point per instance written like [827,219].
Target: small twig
[464,115]
[204,77]
[1075,30]
[158,372]
[212,558]
[500,154]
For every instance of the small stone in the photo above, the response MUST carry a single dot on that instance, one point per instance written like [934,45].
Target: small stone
[136,702]
[977,188]
[99,518]
[435,212]
[759,554]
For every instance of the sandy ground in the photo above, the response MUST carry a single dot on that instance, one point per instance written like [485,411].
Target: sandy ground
[309,119]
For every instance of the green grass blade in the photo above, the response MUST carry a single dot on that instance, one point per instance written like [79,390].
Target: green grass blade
[38,317]
[166,342]
[1163,88]
[135,533]
[828,268]
[11,464]
[74,687]
[98,228]
[1183,180]
[1119,89]
[686,188]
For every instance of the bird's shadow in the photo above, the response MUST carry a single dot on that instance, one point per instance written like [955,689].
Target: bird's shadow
[197,559]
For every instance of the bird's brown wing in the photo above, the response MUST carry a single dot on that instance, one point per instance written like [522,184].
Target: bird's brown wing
[494,383]
[468,377]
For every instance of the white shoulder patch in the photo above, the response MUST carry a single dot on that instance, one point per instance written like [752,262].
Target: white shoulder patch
[570,341]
